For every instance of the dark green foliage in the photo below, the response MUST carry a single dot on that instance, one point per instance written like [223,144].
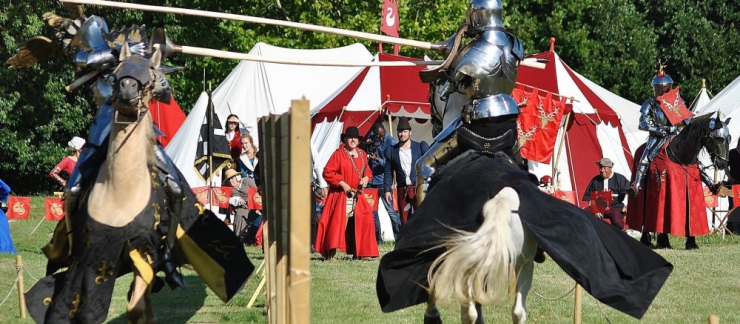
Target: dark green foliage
[615,43]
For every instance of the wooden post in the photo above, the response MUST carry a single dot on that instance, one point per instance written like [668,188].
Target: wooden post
[713,319]
[560,148]
[21,296]
[578,305]
[299,255]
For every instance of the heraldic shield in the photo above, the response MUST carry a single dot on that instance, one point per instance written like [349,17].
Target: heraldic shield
[673,107]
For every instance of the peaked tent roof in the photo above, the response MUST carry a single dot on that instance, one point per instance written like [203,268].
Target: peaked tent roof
[595,130]
[256,89]
[726,101]
[701,101]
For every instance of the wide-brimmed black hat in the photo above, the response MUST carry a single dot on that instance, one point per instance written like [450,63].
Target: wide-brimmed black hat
[351,131]
[403,124]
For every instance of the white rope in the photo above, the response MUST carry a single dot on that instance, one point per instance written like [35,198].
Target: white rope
[9,292]
[556,298]
[29,274]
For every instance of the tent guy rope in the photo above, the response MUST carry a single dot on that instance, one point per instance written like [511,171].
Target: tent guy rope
[240,56]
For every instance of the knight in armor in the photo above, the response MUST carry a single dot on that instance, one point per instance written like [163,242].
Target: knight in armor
[474,85]
[94,49]
[654,120]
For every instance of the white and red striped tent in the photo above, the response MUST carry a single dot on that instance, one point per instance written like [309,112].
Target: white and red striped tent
[601,124]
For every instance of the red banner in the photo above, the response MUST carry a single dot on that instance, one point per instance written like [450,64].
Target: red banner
[219,196]
[538,124]
[389,21]
[673,107]
[601,201]
[255,200]
[710,200]
[569,196]
[735,196]
[54,209]
[19,207]
[372,196]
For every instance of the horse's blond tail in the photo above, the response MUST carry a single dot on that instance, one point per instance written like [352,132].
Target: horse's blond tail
[476,265]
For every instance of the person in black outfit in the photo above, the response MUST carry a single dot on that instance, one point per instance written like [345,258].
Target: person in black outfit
[610,180]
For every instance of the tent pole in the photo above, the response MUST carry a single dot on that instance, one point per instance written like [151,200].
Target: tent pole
[390,122]
[562,140]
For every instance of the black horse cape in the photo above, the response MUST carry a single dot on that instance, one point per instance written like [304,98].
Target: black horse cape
[613,267]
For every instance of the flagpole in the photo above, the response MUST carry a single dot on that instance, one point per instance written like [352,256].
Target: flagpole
[210,145]
[562,140]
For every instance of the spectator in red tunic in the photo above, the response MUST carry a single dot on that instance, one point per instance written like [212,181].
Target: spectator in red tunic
[233,135]
[347,220]
[68,163]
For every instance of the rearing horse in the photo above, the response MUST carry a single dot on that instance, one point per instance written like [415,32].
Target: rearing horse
[672,201]
[124,222]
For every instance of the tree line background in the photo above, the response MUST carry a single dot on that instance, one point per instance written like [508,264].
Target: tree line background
[615,43]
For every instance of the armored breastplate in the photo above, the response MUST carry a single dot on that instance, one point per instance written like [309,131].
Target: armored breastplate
[491,62]
[658,116]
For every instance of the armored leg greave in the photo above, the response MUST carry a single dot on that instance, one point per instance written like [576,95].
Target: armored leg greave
[652,148]
[170,176]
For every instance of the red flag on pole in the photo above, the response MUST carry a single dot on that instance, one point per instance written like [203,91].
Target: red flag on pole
[538,124]
[255,200]
[54,209]
[19,207]
[389,22]
[601,201]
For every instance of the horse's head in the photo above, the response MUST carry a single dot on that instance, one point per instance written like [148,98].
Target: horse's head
[718,142]
[137,80]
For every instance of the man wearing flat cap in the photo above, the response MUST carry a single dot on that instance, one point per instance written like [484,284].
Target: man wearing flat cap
[608,180]
[399,161]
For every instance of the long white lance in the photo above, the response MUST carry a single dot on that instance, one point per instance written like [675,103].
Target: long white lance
[258,20]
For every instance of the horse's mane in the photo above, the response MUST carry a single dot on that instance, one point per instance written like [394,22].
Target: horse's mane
[698,128]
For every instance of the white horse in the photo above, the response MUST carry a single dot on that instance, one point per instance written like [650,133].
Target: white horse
[479,267]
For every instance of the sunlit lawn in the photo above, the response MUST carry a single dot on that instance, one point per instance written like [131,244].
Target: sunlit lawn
[704,282]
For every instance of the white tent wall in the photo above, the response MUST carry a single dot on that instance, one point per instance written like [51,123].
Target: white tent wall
[701,101]
[256,89]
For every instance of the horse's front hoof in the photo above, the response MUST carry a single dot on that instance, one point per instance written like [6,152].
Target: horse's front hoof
[663,247]
[540,256]
[692,246]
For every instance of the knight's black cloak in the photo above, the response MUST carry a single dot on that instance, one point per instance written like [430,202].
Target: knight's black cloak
[613,267]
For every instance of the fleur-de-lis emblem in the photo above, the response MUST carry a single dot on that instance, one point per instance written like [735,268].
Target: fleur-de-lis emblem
[524,136]
[75,305]
[659,176]
[105,272]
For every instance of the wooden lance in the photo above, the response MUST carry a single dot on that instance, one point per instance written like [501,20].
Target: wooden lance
[530,62]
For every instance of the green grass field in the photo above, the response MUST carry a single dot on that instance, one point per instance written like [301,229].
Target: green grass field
[704,282]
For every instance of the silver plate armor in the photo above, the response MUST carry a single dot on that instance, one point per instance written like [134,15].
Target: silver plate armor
[478,88]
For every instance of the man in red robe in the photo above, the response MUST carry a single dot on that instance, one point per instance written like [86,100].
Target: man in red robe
[347,222]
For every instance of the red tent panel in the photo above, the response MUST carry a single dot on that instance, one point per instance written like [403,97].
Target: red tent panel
[167,117]
[401,88]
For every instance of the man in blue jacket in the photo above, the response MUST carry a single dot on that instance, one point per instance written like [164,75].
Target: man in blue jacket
[400,160]
[375,145]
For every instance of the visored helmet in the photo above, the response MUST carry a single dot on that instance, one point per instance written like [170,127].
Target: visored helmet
[485,13]
[662,82]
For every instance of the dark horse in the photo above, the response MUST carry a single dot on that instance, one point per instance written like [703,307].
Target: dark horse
[672,199]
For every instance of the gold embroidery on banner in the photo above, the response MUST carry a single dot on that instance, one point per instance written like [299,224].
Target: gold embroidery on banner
[225,250]
[105,271]
[524,137]
[47,301]
[155,183]
[544,117]
[157,215]
[19,209]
